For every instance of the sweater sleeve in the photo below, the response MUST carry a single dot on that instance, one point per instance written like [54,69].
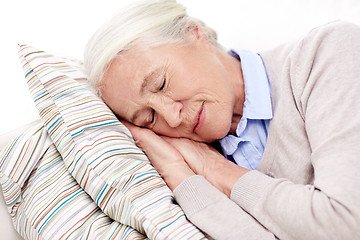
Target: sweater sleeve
[215,214]
[326,67]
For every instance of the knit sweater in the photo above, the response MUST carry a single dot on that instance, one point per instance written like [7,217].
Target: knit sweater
[307,184]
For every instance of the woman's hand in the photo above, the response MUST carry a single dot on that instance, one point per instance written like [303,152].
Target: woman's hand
[176,159]
[206,161]
[164,157]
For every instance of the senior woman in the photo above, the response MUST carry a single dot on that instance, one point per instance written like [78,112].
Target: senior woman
[287,120]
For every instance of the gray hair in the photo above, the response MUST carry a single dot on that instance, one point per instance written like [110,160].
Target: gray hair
[147,23]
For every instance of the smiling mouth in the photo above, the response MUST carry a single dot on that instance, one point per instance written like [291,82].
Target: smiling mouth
[198,118]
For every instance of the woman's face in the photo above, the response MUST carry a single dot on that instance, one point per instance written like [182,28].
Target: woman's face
[177,91]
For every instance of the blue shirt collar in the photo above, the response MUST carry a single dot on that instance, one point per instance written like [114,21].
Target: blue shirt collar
[257,103]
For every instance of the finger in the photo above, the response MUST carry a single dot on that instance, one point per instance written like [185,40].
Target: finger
[154,146]
[164,157]
[129,126]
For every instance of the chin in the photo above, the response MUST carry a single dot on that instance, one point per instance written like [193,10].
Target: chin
[216,134]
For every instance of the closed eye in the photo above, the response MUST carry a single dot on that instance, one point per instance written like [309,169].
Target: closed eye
[152,116]
[163,84]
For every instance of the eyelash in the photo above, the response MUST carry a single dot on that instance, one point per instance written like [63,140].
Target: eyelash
[163,84]
[152,116]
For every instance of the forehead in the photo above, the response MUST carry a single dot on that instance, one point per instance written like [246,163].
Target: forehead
[124,66]
[131,65]
[124,79]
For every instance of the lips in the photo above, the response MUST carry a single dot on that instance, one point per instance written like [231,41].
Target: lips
[199,118]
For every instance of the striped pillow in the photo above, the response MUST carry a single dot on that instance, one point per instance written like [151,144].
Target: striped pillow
[99,152]
[44,200]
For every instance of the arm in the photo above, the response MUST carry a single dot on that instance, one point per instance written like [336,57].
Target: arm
[214,213]
[326,65]
[205,206]
[204,160]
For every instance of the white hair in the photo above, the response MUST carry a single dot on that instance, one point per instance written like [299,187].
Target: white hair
[148,23]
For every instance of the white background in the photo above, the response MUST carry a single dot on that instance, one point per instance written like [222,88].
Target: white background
[63,27]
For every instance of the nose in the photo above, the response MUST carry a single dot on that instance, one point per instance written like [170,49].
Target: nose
[170,110]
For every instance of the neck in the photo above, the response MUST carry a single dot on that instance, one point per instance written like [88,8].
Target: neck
[234,70]
[237,81]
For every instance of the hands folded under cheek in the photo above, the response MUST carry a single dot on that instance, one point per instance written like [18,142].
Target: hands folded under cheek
[176,159]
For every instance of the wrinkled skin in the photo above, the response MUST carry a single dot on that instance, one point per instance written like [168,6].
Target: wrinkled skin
[176,99]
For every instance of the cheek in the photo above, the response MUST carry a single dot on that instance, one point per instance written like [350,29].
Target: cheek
[220,123]
[162,128]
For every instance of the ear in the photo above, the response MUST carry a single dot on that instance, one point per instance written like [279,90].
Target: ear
[197,34]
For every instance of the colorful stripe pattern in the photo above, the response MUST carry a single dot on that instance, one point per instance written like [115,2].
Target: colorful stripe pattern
[43,198]
[99,152]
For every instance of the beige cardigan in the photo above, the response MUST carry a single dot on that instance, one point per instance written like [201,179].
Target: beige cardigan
[308,182]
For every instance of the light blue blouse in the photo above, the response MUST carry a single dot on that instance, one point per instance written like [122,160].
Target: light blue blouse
[247,147]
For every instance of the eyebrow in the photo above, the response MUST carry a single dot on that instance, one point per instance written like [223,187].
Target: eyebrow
[147,79]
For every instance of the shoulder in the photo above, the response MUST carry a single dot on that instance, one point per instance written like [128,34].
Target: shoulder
[326,40]
[334,34]
[327,51]
[321,56]
[335,42]
[330,41]
[336,27]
